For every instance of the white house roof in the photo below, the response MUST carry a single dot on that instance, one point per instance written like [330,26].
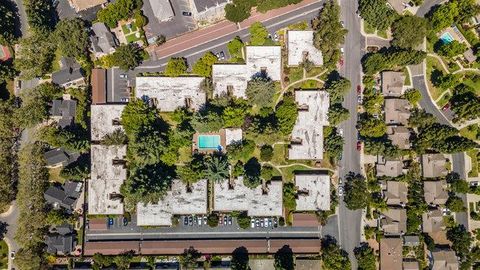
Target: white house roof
[177,201]
[231,77]
[107,175]
[171,93]
[300,44]
[105,119]
[313,192]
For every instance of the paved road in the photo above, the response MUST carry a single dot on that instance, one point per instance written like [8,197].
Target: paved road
[350,221]
[426,6]
[11,219]
[22,16]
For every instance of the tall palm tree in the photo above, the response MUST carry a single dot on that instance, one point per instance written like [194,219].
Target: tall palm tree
[117,137]
[217,168]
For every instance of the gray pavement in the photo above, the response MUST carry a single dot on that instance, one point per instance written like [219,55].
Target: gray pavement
[426,6]
[22,16]
[350,221]
[11,219]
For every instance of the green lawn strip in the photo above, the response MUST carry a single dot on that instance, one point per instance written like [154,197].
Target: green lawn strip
[289,172]
[470,132]
[56,61]
[296,74]
[3,255]
[407,76]
[473,154]
[303,25]
[311,84]
[382,33]
[473,80]
[433,63]
[279,154]
[444,100]
[132,38]
[315,71]
[54,175]
[367,28]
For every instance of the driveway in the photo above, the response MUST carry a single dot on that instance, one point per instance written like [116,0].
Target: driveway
[177,26]
[11,218]
[22,15]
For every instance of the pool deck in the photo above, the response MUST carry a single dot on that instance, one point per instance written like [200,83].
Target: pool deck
[223,143]
[455,33]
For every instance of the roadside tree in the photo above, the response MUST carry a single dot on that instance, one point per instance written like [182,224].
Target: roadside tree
[404,37]
[176,67]
[260,92]
[258,34]
[127,56]
[203,66]
[71,38]
[356,192]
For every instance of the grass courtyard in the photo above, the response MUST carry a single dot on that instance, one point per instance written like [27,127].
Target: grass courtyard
[3,255]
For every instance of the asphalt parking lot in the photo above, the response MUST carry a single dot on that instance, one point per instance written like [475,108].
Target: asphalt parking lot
[177,26]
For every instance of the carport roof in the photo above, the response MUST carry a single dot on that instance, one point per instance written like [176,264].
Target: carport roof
[202,5]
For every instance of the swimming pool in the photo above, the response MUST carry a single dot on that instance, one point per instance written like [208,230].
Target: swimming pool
[446,37]
[209,142]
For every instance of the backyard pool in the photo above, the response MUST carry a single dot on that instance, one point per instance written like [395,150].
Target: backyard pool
[206,142]
[446,37]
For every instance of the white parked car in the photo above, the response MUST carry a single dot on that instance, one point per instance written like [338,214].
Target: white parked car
[340,132]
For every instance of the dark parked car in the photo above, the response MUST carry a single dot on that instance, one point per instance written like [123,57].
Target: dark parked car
[125,221]
[359,89]
[359,145]
[185,221]
[110,221]
[190,220]
[186,13]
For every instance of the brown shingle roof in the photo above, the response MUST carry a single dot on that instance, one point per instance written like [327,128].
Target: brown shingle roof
[304,246]
[396,193]
[435,192]
[305,220]
[391,254]
[97,224]
[99,86]
[204,246]
[111,248]
[392,83]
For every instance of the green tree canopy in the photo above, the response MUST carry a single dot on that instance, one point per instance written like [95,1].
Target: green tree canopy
[207,120]
[176,67]
[289,196]
[377,13]
[40,15]
[188,259]
[372,127]
[217,168]
[284,259]
[443,16]
[452,49]
[260,92]
[119,10]
[461,240]
[329,33]
[333,143]
[365,257]
[252,173]
[258,34]
[413,96]
[333,257]
[7,24]
[337,114]
[35,56]
[238,10]
[337,88]
[356,192]
[404,37]
[203,66]
[240,259]
[286,114]
[136,116]
[455,204]
[391,58]
[127,56]
[235,46]
[266,152]
[71,37]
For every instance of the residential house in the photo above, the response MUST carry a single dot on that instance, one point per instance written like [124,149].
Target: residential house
[434,165]
[394,221]
[392,83]
[108,172]
[231,79]
[262,201]
[391,253]
[307,135]
[179,200]
[208,10]
[469,56]
[398,5]
[171,93]
[444,260]
[103,41]
[313,192]
[69,75]
[411,265]
[400,136]
[60,240]
[435,192]
[389,168]
[397,111]
[59,157]
[433,224]
[411,241]
[99,86]
[300,47]
[80,5]
[396,193]
[63,111]
[64,196]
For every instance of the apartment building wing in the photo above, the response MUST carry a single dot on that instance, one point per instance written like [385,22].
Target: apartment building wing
[108,172]
[235,196]
[391,253]
[394,221]
[178,201]
[435,192]
[392,83]
[230,79]
[313,192]
[396,193]
[300,47]
[81,5]
[264,61]
[397,111]
[208,10]
[105,119]
[307,134]
[171,93]
[434,165]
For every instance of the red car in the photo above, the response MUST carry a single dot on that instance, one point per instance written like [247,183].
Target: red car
[341,62]
[359,89]
[446,107]
[359,145]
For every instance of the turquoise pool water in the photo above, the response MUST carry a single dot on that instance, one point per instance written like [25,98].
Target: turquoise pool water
[209,142]
[446,38]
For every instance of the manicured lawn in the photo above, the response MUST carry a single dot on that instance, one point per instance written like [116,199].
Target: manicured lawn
[133,38]
[279,154]
[127,31]
[3,255]
[368,28]
[407,77]
[382,34]
[289,172]
[315,71]
[432,64]
[296,73]
[473,80]
[303,25]
[311,84]
[473,154]
[54,175]
[470,132]
[444,100]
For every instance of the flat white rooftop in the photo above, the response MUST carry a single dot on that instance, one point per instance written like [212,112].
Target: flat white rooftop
[233,78]
[177,201]
[266,59]
[254,201]
[230,78]
[233,135]
[170,93]
[313,192]
[300,45]
[105,119]
[108,174]
[307,134]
